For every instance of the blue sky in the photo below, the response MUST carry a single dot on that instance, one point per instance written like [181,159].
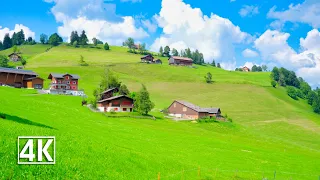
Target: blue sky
[233,32]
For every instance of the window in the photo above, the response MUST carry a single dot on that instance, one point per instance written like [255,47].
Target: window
[74,82]
[73,87]
[67,77]
[124,109]
[68,87]
[184,109]
[68,82]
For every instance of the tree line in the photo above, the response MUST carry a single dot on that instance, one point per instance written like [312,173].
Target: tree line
[255,68]
[135,48]
[16,39]
[296,87]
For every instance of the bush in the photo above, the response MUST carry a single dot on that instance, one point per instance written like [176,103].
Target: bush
[207,119]
[273,83]
[2,116]
[106,46]
[292,92]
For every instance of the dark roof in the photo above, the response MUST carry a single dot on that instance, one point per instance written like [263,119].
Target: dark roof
[181,58]
[17,71]
[106,91]
[115,97]
[199,109]
[56,75]
[14,54]
[32,78]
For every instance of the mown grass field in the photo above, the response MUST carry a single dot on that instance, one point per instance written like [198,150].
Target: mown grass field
[270,132]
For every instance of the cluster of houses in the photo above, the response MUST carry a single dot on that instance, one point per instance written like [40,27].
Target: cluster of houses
[173,60]
[60,83]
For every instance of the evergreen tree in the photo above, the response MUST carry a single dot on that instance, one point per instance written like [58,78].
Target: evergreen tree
[3,61]
[7,42]
[166,51]
[218,65]
[188,53]
[23,61]
[142,102]
[161,51]
[213,63]
[275,74]
[1,46]
[175,52]
[72,40]
[83,38]
[106,46]
[208,78]
[264,67]
[14,39]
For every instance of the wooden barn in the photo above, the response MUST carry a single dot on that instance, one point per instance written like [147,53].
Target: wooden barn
[116,104]
[182,61]
[147,58]
[14,57]
[186,110]
[20,78]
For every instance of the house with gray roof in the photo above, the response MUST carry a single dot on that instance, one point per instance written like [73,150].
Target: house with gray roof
[64,84]
[186,110]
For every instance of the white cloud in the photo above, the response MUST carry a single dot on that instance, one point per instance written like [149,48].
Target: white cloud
[249,53]
[17,28]
[152,27]
[249,11]
[184,26]
[273,47]
[306,12]
[97,18]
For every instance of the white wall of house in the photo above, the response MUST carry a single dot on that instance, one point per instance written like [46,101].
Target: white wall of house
[113,109]
[176,115]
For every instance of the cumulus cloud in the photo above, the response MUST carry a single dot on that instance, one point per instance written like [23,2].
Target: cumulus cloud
[184,26]
[249,11]
[152,27]
[97,18]
[273,46]
[249,53]
[17,28]
[306,12]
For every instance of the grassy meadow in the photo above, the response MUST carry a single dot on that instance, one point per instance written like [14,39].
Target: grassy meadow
[271,134]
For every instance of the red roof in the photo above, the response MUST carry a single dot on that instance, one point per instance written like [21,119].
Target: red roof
[181,58]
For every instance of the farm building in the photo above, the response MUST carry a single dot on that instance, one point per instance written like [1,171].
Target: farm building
[186,110]
[147,58]
[246,69]
[14,57]
[20,78]
[182,61]
[116,104]
[109,93]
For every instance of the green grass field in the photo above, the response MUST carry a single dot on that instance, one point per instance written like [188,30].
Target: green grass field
[270,131]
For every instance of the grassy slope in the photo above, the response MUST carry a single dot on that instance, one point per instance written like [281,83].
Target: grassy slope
[270,130]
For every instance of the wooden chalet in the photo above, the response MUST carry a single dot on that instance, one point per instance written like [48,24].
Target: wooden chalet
[186,110]
[109,93]
[147,58]
[246,69]
[116,104]
[14,57]
[182,61]
[20,78]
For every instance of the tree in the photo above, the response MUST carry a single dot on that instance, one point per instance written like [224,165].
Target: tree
[75,44]
[305,88]
[142,48]
[188,53]
[3,61]
[43,38]
[20,37]
[14,39]
[123,90]
[264,67]
[106,46]
[55,39]
[15,49]
[1,46]
[161,51]
[166,51]
[273,83]
[83,38]
[208,78]
[218,65]
[311,97]
[175,52]
[291,91]
[129,43]
[82,62]
[109,81]
[23,62]
[213,63]
[275,74]
[316,105]
[7,41]
[95,41]
[254,68]
[142,103]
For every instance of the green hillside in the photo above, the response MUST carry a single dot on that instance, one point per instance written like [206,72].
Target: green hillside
[270,131]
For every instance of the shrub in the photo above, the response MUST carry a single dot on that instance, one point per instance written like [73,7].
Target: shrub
[273,83]
[106,46]
[292,92]
[207,119]
[2,116]
[84,102]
